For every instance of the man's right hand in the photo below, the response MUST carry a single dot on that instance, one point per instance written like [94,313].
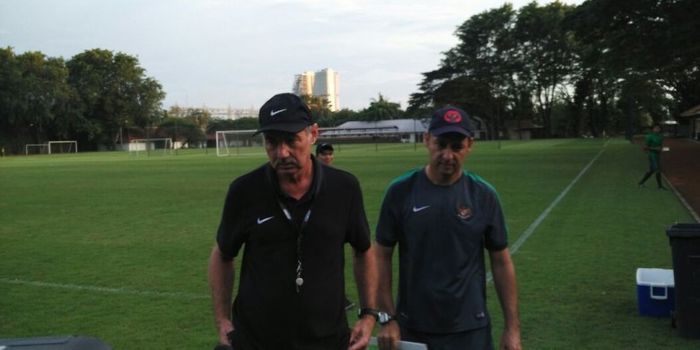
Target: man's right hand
[225,327]
[389,336]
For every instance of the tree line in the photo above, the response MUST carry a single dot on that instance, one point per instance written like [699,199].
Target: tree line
[603,67]
[90,98]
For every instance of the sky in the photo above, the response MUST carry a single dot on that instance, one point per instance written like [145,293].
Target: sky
[238,53]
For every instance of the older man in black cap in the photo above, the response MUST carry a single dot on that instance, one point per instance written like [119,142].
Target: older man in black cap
[442,218]
[292,217]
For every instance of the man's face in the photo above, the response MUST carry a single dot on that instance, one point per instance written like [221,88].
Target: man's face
[447,152]
[289,153]
[325,156]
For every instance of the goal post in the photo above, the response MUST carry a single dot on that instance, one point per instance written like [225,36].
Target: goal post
[227,140]
[165,144]
[68,146]
[36,148]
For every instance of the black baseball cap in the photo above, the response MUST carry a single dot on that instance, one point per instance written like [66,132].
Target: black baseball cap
[450,119]
[284,112]
[324,147]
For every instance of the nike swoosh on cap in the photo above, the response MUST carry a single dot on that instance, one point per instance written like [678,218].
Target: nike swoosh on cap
[262,220]
[417,209]
[272,113]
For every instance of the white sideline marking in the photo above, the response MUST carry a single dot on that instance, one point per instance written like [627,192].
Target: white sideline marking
[681,199]
[126,291]
[528,232]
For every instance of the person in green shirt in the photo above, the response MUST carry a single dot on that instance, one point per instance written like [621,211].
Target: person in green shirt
[653,145]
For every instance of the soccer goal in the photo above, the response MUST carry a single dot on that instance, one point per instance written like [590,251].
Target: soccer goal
[152,145]
[36,148]
[56,147]
[230,141]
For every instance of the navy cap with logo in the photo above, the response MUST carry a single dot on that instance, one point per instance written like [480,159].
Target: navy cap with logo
[450,119]
[284,112]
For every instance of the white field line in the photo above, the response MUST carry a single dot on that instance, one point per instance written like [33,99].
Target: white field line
[683,201]
[533,226]
[124,291]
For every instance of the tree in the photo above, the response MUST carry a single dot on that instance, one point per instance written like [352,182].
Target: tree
[545,51]
[181,128]
[114,92]
[235,124]
[648,48]
[480,73]
[381,109]
[319,106]
[36,104]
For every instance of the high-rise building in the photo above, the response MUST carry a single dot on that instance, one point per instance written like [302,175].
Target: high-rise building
[304,83]
[323,83]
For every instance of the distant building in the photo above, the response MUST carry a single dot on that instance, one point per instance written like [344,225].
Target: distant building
[324,84]
[394,130]
[227,113]
[304,83]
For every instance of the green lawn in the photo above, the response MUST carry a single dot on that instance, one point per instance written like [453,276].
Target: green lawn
[116,246]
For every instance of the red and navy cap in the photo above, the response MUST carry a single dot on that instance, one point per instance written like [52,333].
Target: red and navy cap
[450,119]
[284,112]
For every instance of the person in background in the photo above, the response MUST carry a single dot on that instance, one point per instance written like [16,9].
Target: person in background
[653,145]
[324,153]
[442,218]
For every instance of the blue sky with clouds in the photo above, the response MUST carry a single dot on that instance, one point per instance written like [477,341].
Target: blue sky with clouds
[235,53]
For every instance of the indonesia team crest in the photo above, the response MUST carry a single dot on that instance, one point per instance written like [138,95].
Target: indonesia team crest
[464,213]
[452,116]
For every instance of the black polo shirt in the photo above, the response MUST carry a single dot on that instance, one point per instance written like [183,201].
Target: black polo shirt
[268,310]
[441,232]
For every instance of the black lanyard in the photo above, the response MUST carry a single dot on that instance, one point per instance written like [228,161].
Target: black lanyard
[316,186]
[299,281]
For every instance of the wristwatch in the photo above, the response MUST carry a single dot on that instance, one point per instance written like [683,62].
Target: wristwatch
[367,311]
[384,317]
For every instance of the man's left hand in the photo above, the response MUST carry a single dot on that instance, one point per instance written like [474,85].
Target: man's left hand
[359,337]
[510,340]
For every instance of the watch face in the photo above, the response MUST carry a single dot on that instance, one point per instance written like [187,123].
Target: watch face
[384,317]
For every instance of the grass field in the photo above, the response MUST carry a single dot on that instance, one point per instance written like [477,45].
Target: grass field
[116,246]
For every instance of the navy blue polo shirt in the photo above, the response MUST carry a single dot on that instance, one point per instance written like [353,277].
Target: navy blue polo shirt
[441,232]
[267,308]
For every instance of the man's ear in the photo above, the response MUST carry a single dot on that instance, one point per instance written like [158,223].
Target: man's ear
[314,133]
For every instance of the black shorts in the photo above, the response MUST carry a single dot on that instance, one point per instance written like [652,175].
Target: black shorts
[475,339]
[240,340]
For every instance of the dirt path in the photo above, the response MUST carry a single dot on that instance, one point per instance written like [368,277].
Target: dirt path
[681,166]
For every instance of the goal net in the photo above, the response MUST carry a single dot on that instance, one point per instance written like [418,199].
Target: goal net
[55,147]
[151,146]
[230,141]
[36,148]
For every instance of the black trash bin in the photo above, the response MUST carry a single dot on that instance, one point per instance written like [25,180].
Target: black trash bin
[685,248]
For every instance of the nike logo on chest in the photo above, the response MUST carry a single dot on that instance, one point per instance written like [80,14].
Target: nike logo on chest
[417,209]
[263,220]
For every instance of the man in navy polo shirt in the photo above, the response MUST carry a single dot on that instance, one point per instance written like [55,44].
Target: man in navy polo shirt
[442,219]
[292,217]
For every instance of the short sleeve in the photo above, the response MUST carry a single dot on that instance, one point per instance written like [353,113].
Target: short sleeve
[496,237]
[388,228]
[231,235]
[358,234]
